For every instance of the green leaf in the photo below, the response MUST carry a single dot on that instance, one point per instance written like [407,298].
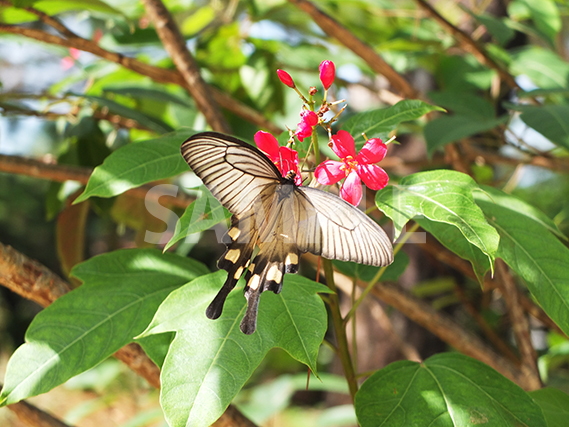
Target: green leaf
[448,389]
[378,123]
[545,16]
[440,196]
[444,130]
[367,272]
[549,120]
[14,15]
[119,296]
[209,361]
[536,255]
[451,238]
[464,104]
[138,92]
[497,27]
[554,404]
[544,67]
[135,164]
[201,215]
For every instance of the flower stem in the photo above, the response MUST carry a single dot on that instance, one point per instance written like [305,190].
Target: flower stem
[378,275]
[340,330]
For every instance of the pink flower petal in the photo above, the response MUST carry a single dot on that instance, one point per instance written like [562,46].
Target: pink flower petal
[327,73]
[303,130]
[373,176]
[343,145]
[285,78]
[268,144]
[329,172]
[309,117]
[351,191]
[373,151]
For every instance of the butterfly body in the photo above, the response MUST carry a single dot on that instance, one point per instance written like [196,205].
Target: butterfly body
[280,218]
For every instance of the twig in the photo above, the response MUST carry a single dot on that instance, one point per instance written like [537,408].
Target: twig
[340,330]
[519,322]
[157,74]
[334,29]
[61,173]
[469,44]
[447,330]
[33,416]
[485,327]
[35,282]
[49,20]
[175,45]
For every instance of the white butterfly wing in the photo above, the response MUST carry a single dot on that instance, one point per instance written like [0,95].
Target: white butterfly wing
[333,228]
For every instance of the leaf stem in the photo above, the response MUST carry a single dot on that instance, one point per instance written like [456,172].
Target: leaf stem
[378,275]
[340,329]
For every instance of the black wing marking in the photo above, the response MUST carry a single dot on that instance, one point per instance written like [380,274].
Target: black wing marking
[333,228]
[234,171]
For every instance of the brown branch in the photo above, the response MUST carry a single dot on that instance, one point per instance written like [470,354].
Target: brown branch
[175,45]
[469,45]
[157,74]
[98,114]
[34,416]
[447,330]
[336,30]
[520,325]
[61,173]
[35,282]
[492,336]
[49,20]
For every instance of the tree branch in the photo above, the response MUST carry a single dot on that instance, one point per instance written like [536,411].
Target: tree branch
[469,45]
[336,30]
[175,45]
[157,74]
[33,416]
[35,282]
[519,322]
[61,173]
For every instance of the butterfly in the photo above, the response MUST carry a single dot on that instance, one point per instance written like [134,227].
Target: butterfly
[280,218]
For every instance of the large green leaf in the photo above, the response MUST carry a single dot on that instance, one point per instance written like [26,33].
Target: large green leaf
[543,66]
[202,214]
[136,164]
[209,361]
[448,389]
[119,296]
[549,120]
[378,123]
[529,248]
[440,196]
[554,404]
[14,15]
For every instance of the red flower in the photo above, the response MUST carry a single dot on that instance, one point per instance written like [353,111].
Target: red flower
[284,158]
[353,167]
[327,73]
[285,78]
[308,119]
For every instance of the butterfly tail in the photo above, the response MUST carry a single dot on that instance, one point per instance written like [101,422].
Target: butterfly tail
[266,274]
[235,260]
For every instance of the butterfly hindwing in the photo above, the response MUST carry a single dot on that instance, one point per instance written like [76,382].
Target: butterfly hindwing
[335,229]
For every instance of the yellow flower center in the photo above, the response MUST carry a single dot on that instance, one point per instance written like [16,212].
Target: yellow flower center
[349,165]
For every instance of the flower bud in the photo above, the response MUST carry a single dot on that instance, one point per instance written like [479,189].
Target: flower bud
[327,73]
[285,78]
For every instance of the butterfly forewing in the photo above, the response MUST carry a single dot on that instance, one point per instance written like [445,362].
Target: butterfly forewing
[283,220]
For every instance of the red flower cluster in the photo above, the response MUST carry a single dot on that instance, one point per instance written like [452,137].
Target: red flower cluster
[353,167]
